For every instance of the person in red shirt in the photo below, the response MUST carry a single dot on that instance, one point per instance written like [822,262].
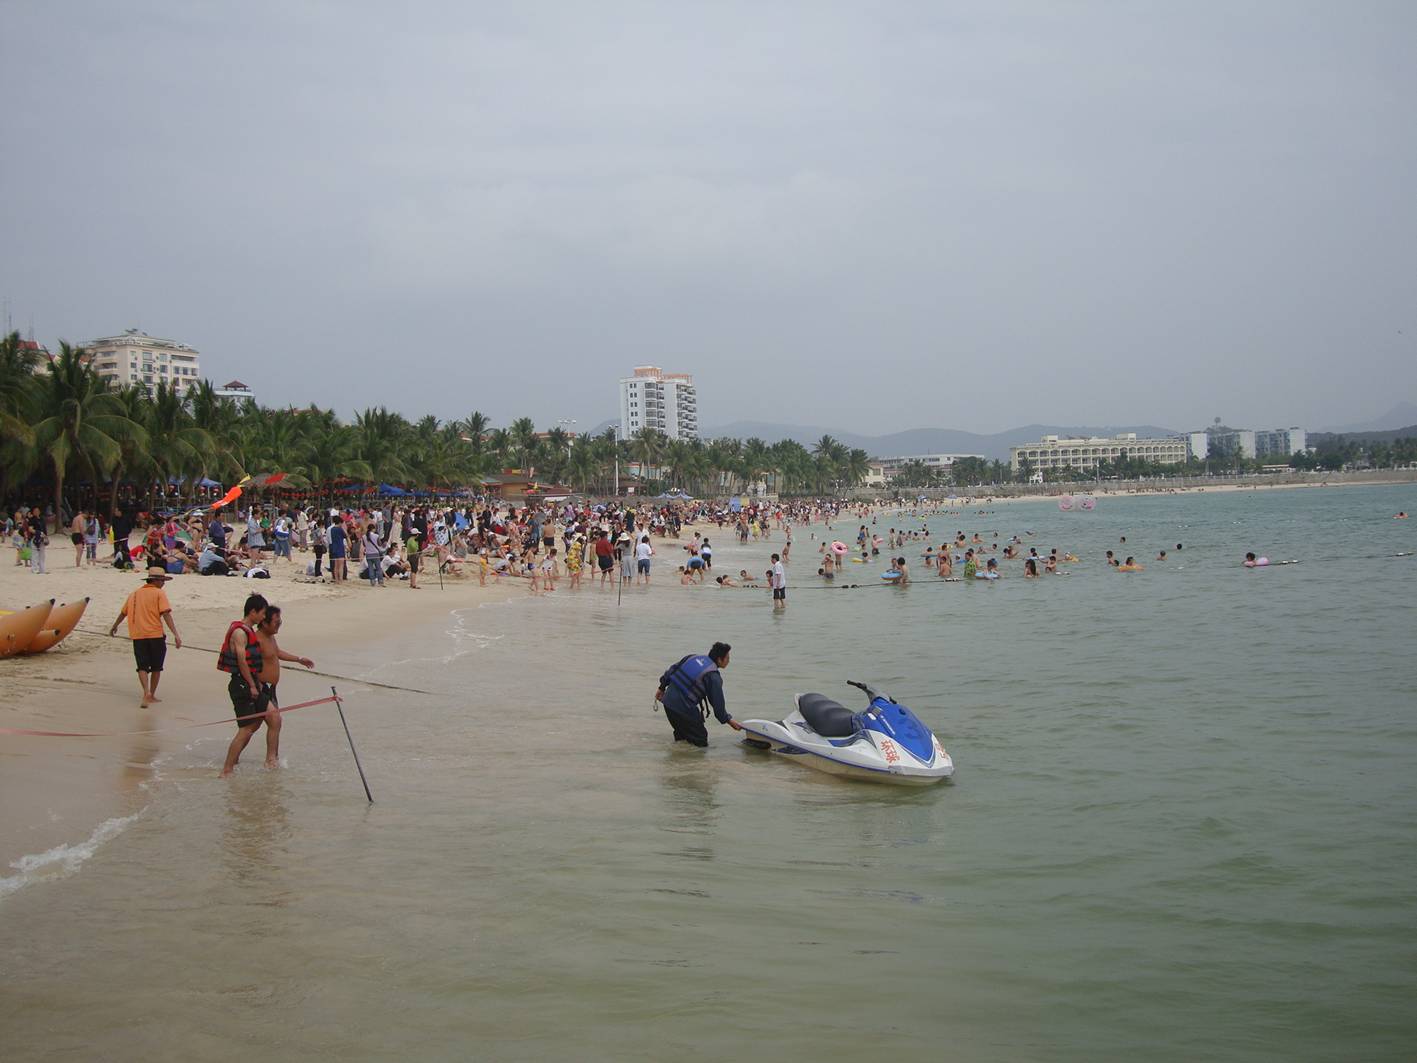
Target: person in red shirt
[604,556]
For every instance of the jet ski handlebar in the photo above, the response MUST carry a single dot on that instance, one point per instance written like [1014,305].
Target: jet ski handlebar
[871,692]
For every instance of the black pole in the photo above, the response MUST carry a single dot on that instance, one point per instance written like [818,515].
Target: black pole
[360,767]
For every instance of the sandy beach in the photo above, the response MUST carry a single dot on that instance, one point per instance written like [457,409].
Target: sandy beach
[57,791]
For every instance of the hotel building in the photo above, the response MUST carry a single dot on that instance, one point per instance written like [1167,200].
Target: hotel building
[934,462]
[1220,441]
[1054,452]
[652,398]
[137,358]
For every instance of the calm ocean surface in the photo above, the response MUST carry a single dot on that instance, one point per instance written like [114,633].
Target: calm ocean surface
[1182,826]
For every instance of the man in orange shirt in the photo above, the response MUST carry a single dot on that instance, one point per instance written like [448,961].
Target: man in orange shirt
[147,609]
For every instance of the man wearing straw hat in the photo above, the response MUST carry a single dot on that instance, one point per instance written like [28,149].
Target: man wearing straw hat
[147,609]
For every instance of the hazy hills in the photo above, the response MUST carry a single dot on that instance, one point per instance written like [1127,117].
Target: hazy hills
[995,445]
[1402,415]
[924,440]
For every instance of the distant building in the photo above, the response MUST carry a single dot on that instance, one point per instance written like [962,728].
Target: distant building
[235,391]
[41,355]
[1055,452]
[137,358]
[1221,441]
[1281,442]
[652,398]
[934,462]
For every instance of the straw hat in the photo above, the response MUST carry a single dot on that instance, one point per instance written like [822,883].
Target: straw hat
[157,572]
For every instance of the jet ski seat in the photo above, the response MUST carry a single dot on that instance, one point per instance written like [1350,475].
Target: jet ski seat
[828,718]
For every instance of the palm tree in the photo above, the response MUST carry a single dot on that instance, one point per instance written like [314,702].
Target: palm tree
[474,428]
[523,433]
[855,466]
[80,422]
[499,445]
[647,447]
[179,448]
[18,386]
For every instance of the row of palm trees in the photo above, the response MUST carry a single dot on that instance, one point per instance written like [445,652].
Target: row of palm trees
[62,423]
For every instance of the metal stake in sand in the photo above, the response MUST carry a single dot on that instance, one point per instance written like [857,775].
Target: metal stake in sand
[339,705]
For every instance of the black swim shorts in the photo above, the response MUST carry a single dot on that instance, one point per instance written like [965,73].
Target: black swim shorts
[245,705]
[150,653]
[780,594]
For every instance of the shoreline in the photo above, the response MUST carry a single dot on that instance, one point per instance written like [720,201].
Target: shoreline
[61,793]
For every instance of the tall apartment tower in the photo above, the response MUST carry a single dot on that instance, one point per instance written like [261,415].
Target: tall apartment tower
[137,358]
[652,398]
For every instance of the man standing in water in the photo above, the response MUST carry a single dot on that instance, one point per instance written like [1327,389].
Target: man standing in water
[241,657]
[692,686]
[268,678]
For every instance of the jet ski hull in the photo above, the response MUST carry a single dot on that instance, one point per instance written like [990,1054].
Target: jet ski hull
[868,754]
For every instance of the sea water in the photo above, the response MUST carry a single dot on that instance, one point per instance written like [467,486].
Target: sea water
[1181,825]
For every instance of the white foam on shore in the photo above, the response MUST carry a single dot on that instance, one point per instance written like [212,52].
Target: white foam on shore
[63,860]
[464,641]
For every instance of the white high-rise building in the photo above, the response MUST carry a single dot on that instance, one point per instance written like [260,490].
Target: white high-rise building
[652,398]
[137,358]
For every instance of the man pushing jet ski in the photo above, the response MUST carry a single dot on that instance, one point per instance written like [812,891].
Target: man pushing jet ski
[690,688]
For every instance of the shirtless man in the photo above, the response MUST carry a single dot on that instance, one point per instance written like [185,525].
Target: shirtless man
[267,678]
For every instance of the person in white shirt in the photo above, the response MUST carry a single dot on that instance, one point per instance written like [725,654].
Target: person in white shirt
[779,584]
[643,552]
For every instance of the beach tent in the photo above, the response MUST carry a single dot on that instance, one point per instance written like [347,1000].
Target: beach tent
[390,489]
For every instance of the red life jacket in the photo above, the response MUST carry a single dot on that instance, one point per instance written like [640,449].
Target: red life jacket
[226,659]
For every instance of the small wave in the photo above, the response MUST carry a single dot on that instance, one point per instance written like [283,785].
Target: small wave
[63,860]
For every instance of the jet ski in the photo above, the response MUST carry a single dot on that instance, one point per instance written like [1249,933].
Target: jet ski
[885,742]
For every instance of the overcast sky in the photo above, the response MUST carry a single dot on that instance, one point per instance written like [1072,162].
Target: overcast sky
[876,215]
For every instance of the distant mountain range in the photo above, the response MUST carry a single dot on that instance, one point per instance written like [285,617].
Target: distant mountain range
[1392,424]
[918,440]
[1320,439]
[1402,415]
[925,440]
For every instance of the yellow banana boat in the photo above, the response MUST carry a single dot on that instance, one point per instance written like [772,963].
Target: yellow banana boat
[17,630]
[61,621]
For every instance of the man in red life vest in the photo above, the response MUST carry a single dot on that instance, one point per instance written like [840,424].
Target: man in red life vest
[241,656]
